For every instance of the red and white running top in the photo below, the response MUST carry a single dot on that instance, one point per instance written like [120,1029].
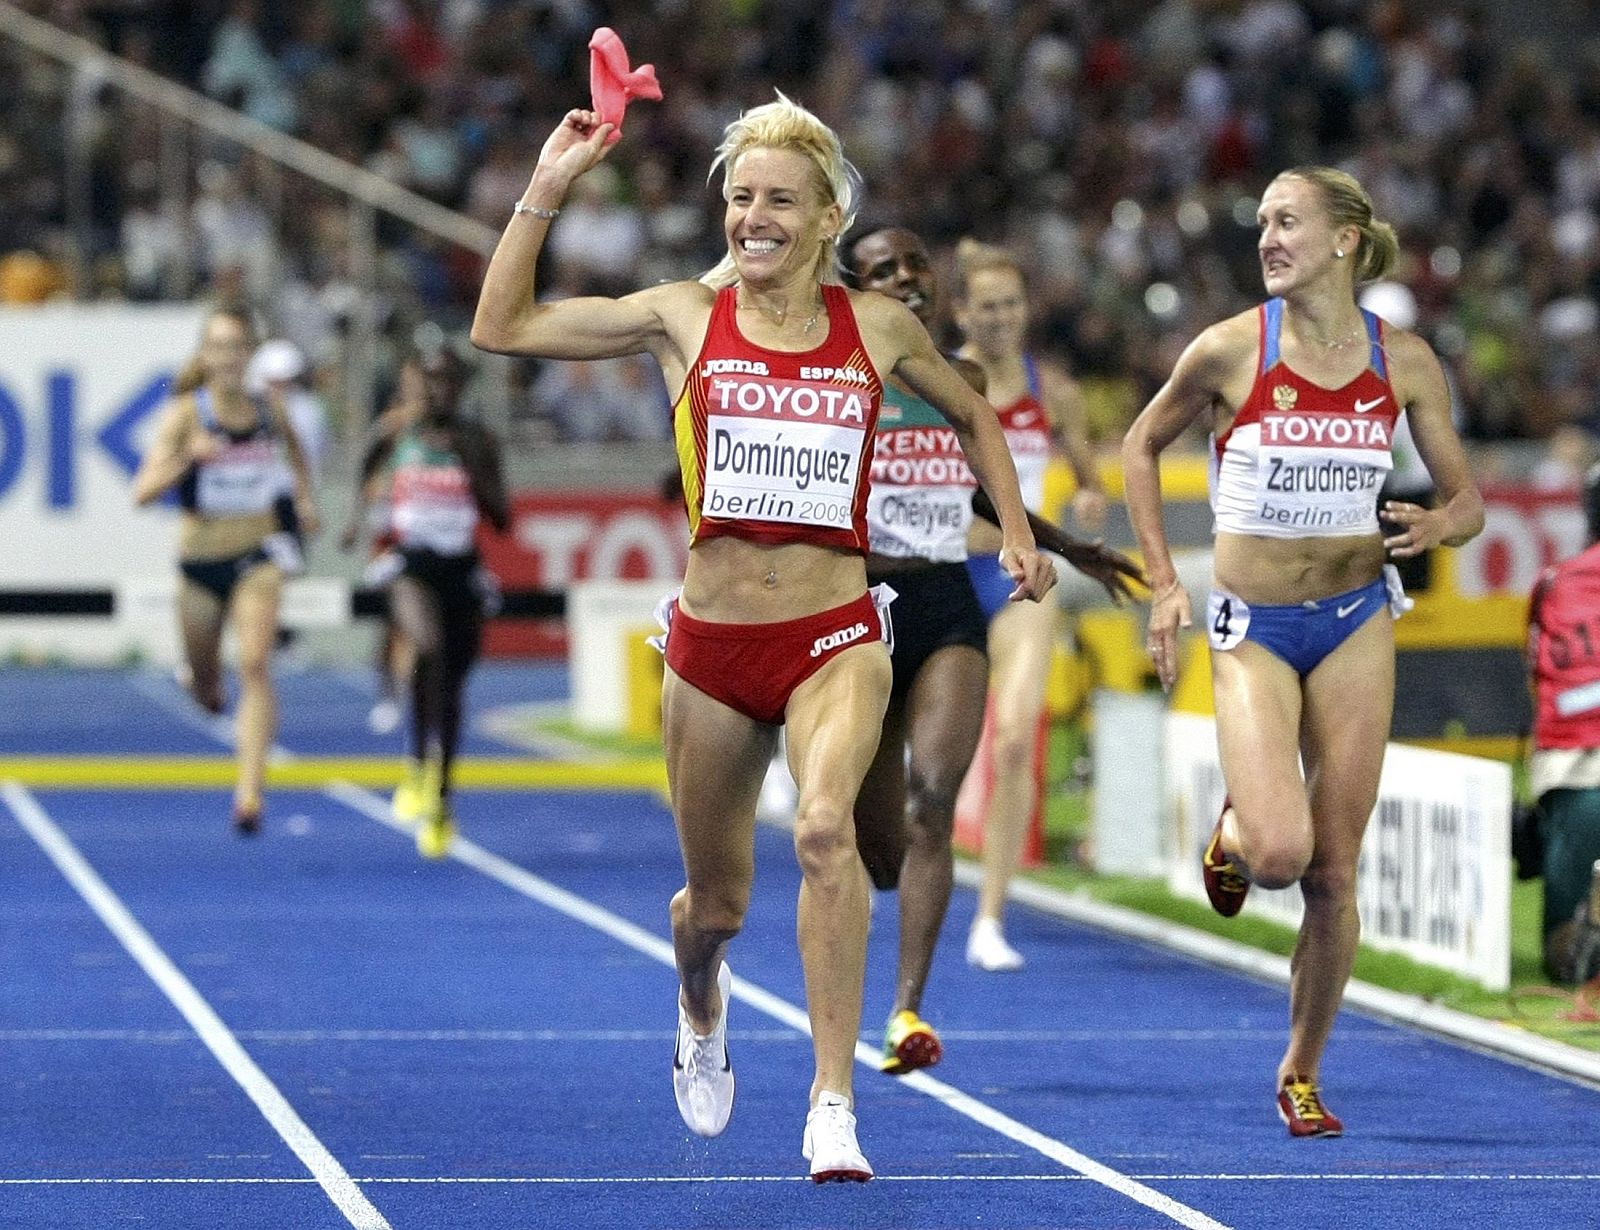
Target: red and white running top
[1026,424]
[776,446]
[1302,461]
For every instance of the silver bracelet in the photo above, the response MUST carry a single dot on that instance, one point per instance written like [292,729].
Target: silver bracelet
[538,211]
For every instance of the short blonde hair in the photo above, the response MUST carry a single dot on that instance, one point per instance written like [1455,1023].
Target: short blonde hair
[784,124]
[1348,204]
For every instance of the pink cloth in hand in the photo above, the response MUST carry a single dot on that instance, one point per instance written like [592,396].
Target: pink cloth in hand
[612,84]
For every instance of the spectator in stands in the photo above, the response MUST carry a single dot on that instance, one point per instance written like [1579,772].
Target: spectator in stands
[243,73]
[606,399]
[1564,769]
[599,240]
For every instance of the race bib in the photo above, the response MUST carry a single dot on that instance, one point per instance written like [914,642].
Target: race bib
[783,450]
[241,481]
[1227,619]
[920,500]
[434,508]
[1322,472]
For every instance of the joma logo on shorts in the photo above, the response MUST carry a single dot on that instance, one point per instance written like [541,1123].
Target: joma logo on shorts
[842,637]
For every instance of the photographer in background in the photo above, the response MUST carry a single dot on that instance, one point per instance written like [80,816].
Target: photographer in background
[1564,769]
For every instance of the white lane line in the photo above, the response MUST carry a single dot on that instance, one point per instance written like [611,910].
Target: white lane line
[274,1107]
[312,1036]
[167,1036]
[1055,1176]
[517,878]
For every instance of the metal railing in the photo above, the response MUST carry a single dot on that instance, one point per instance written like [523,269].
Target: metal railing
[184,113]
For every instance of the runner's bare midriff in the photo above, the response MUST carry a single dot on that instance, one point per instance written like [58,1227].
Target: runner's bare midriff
[1280,571]
[731,580]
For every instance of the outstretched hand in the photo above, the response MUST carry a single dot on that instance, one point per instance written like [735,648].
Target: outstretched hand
[1111,568]
[1420,529]
[577,144]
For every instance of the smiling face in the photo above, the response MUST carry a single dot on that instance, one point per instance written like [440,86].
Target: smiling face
[993,316]
[778,217]
[1298,239]
[895,262]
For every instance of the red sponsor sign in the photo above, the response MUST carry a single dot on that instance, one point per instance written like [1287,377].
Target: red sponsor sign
[558,537]
[1525,530]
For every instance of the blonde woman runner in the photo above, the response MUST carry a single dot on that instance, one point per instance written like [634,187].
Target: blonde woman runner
[779,371]
[1303,395]
[1042,417]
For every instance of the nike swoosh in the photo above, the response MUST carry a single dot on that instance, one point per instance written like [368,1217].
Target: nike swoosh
[727,1060]
[1363,406]
[1345,610]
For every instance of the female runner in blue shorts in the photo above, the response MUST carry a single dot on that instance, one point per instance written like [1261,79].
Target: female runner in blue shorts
[1302,395]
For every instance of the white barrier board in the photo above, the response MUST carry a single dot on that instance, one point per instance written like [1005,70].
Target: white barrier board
[1435,875]
[80,388]
[601,617]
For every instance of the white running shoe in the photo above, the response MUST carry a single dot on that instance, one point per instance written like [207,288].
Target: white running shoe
[830,1142]
[987,948]
[702,1076]
[384,717]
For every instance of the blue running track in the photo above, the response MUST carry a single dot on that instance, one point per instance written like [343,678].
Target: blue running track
[319,1029]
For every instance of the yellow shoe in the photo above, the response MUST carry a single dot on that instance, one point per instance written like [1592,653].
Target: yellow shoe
[910,1043]
[436,832]
[417,795]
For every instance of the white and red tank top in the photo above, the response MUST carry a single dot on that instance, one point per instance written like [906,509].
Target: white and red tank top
[920,502]
[431,505]
[776,446]
[1302,461]
[1026,424]
[1564,651]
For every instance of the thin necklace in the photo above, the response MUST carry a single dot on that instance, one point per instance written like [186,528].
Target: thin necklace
[1342,342]
[811,321]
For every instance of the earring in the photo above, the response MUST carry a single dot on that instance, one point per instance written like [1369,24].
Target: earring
[1339,252]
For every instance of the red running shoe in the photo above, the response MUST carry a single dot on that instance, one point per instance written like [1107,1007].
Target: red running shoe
[1225,882]
[1300,1107]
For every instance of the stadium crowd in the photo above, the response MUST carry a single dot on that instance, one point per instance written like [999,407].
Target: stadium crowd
[1117,149]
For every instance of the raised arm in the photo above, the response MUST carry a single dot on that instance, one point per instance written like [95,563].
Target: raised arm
[917,361]
[509,319]
[1423,391]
